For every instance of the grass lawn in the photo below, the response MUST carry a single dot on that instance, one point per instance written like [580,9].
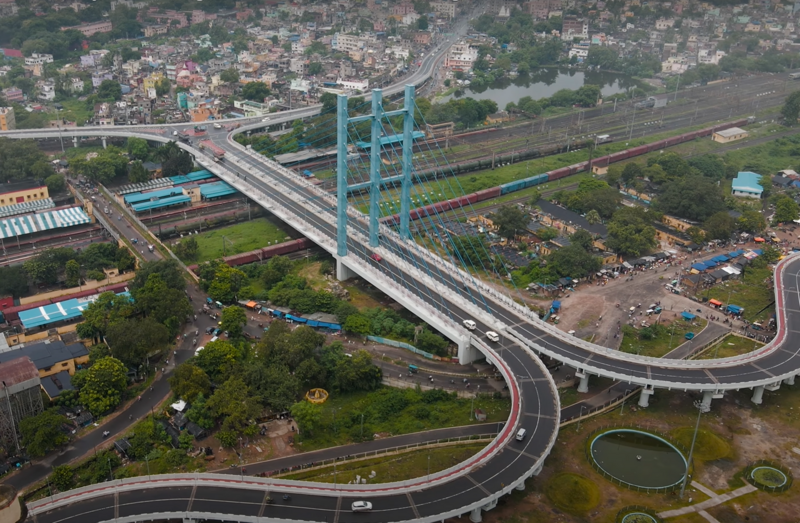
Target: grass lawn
[76,111]
[751,292]
[239,238]
[660,345]
[394,412]
[729,346]
[393,467]
[572,493]
[568,396]
[707,447]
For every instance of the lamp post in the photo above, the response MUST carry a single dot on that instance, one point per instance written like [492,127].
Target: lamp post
[624,397]
[579,418]
[701,408]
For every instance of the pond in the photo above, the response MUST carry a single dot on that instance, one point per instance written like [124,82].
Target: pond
[542,83]
[638,458]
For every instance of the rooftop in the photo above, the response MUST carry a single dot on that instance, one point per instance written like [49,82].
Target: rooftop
[45,354]
[733,131]
[17,370]
[565,215]
[747,181]
[23,185]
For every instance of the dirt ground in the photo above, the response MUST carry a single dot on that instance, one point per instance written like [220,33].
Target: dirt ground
[769,431]
[276,443]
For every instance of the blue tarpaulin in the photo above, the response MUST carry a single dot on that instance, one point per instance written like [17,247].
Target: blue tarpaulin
[556,304]
[699,266]
[734,254]
[688,316]
[709,263]
[734,309]
[758,251]
[720,259]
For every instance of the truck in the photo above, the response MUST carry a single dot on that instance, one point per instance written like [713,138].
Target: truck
[218,153]
[651,101]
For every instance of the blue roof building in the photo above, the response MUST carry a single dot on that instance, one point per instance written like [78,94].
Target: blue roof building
[747,184]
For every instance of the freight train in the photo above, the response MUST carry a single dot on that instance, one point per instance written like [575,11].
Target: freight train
[265,253]
[539,179]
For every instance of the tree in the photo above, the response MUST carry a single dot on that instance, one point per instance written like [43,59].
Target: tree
[103,387]
[42,433]
[533,199]
[199,413]
[770,254]
[138,148]
[583,239]
[786,210]
[163,304]
[168,270]
[137,173]
[233,403]
[106,310]
[631,172]
[720,226]
[229,76]
[308,416]
[72,271]
[357,324]
[189,381]
[163,87]
[602,57]
[219,359]
[109,90]
[593,217]
[233,319]
[63,478]
[510,220]
[574,261]
[314,68]
[132,339]
[13,281]
[696,234]
[791,109]
[630,232]
[430,342]
[693,197]
[177,165]
[356,373]
[752,221]
[187,248]
[328,101]
[255,91]
[226,283]
[422,23]
[55,183]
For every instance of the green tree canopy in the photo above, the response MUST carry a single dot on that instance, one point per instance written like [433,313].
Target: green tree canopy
[103,387]
[786,210]
[189,381]
[791,109]
[694,198]
[510,221]
[630,232]
[720,226]
[42,433]
[233,319]
[255,91]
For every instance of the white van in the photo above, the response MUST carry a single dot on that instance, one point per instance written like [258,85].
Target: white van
[493,336]
[521,433]
[469,324]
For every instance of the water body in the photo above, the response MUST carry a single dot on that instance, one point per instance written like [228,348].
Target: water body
[542,83]
[638,458]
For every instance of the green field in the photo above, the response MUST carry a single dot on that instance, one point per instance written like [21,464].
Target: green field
[729,346]
[667,338]
[239,238]
[393,467]
[751,292]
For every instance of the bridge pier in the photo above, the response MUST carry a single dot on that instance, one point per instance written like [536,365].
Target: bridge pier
[466,352]
[644,397]
[475,515]
[758,392]
[708,395]
[789,380]
[188,520]
[583,386]
[105,144]
[520,486]
[74,141]
[343,272]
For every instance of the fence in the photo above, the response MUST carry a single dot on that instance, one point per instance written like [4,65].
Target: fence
[612,403]
[401,345]
[763,463]
[630,486]
[380,452]
[634,511]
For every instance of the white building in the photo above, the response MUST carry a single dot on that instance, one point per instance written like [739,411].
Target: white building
[445,9]
[47,91]
[354,85]
[39,59]
[297,66]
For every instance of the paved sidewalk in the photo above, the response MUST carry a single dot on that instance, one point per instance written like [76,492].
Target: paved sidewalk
[713,502]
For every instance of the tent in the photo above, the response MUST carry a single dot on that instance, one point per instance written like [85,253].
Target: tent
[556,305]
[699,267]
[688,316]
[734,309]
[720,259]
[716,303]
[710,263]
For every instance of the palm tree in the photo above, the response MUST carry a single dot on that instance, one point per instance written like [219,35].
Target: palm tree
[593,217]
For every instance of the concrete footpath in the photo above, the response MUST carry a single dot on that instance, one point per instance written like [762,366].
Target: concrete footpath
[714,500]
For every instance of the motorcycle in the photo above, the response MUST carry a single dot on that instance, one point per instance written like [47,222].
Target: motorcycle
[106,433]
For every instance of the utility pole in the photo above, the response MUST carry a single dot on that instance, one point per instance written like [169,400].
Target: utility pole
[633,120]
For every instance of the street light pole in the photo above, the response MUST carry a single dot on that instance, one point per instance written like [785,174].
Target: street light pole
[701,408]
[624,397]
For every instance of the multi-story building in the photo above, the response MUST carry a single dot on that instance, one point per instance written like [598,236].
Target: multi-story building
[21,192]
[13,94]
[298,66]
[445,9]
[353,84]
[7,120]
[153,30]
[151,80]
[47,90]
[461,57]
[93,28]
[100,77]
[345,43]
[38,59]
[573,27]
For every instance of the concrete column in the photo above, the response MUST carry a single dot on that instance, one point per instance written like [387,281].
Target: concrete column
[644,397]
[708,395]
[537,471]
[583,386]
[475,516]
[521,485]
[105,145]
[188,520]
[758,392]
[343,272]
[74,141]
[789,380]
[466,352]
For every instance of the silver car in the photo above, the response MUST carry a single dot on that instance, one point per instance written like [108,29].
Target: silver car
[361,506]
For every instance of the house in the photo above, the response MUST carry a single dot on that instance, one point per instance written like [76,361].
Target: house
[22,191]
[747,184]
[196,430]
[51,358]
[729,135]
[55,384]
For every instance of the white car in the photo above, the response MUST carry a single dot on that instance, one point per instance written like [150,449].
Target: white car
[469,324]
[197,351]
[265,120]
[361,506]
[217,126]
[492,335]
